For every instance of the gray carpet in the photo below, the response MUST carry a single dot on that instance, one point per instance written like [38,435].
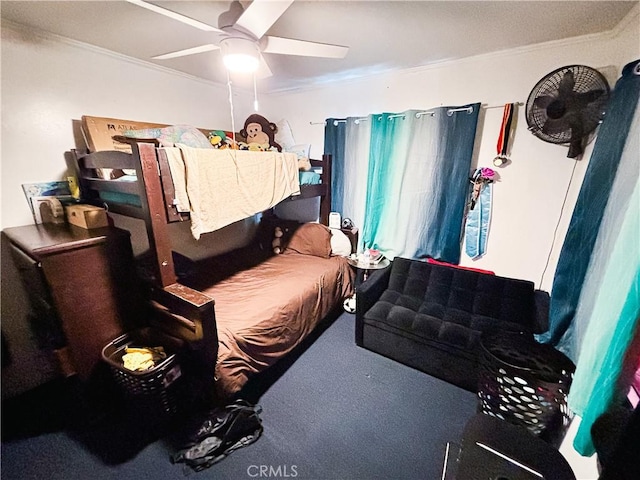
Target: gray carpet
[338,412]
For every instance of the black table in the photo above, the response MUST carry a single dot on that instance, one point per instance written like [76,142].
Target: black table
[493,449]
[362,272]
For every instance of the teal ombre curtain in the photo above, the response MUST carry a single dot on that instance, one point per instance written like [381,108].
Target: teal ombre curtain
[383,141]
[334,142]
[450,155]
[606,315]
[587,215]
[388,145]
[405,178]
[418,182]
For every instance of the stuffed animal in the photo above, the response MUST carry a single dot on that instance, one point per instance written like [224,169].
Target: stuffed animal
[278,241]
[219,140]
[304,164]
[282,234]
[260,134]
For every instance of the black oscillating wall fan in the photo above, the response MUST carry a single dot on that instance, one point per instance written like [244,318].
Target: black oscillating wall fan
[566,105]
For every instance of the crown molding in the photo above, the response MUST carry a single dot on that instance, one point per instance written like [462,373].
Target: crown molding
[461,61]
[633,15]
[565,42]
[44,35]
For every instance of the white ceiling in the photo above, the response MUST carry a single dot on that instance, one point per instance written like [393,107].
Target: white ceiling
[381,35]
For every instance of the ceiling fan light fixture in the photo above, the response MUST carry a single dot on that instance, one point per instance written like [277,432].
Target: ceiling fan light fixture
[240,54]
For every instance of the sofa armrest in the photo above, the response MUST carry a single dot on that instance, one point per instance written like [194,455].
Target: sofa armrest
[541,315]
[367,294]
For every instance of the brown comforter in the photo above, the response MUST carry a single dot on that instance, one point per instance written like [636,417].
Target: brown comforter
[264,312]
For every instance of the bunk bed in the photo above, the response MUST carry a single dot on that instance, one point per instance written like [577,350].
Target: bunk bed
[239,312]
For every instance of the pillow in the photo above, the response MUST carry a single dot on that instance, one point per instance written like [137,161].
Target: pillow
[302,150]
[452,265]
[311,239]
[284,135]
[340,243]
[309,177]
[168,136]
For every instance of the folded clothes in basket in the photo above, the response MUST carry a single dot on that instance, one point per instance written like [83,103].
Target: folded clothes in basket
[139,359]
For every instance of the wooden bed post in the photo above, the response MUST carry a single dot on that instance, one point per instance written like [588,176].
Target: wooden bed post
[325,201]
[156,222]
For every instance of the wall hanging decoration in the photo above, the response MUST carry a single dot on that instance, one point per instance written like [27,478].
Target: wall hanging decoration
[505,132]
[479,212]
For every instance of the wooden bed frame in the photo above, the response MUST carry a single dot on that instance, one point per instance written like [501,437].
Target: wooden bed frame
[176,309]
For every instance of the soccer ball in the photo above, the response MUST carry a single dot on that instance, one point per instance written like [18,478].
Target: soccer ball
[350,304]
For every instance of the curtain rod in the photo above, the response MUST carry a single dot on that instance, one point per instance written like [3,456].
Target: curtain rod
[520,104]
[450,112]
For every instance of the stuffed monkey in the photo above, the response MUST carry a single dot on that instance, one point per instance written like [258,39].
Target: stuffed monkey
[258,130]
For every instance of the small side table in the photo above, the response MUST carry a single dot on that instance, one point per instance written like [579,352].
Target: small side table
[366,266]
[361,277]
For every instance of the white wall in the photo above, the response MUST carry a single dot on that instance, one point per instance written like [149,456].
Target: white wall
[47,82]
[528,199]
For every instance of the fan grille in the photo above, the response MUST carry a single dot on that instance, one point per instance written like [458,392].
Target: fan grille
[586,79]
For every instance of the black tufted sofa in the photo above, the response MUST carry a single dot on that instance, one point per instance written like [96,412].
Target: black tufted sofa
[430,316]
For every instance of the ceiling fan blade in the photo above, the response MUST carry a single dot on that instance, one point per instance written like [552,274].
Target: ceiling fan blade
[189,51]
[261,14]
[176,16]
[263,69]
[289,46]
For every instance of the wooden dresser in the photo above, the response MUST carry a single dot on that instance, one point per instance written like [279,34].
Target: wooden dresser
[82,289]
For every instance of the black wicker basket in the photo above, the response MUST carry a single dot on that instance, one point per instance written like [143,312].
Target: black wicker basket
[525,383]
[155,390]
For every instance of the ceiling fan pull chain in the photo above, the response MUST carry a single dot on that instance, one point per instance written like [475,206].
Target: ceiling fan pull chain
[233,121]
[255,93]
[503,140]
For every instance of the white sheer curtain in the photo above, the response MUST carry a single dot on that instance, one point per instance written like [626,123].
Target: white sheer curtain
[356,161]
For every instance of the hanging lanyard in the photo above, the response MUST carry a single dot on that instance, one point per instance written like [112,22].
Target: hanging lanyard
[503,139]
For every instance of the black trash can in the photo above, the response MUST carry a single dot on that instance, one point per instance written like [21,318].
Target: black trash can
[525,383]
[154,393]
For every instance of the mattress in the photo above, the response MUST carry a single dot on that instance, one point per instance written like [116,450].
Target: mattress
[305,178]
[263,312]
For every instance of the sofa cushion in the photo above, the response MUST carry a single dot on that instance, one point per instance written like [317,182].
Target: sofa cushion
[441,304]
[460,296]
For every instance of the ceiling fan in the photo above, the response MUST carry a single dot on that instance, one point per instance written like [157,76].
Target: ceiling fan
[241,36]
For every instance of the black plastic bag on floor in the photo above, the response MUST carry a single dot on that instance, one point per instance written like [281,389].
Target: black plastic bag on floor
[224,430]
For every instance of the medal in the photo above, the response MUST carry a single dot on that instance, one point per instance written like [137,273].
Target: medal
[505,132]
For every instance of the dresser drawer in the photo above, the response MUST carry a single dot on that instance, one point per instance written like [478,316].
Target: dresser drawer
[43,318]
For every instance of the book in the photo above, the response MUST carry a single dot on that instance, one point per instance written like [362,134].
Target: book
[37,193]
